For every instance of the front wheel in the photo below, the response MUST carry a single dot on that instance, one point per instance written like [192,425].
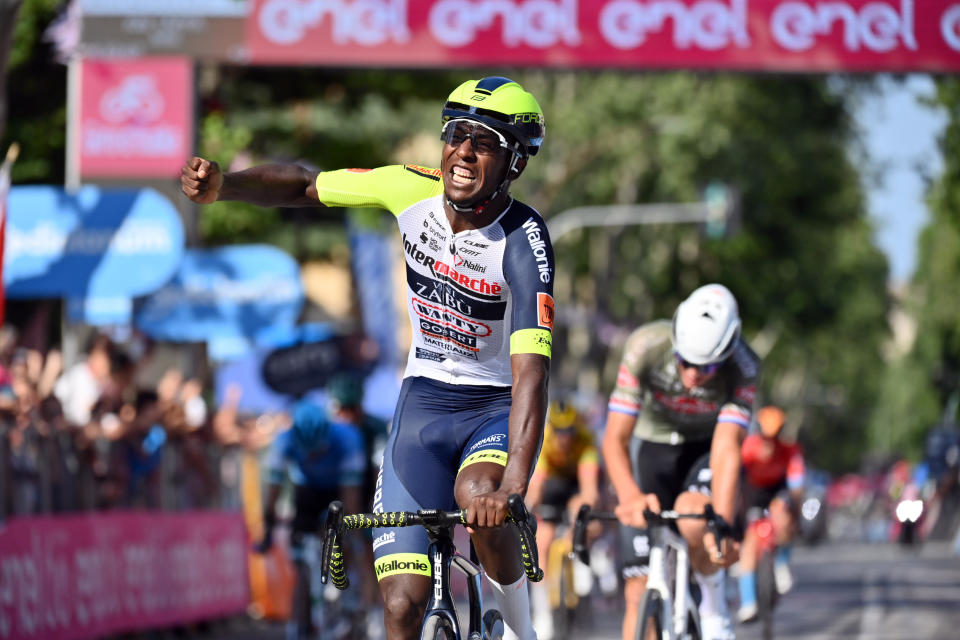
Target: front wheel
[650,621]
[437,628]
[492,625]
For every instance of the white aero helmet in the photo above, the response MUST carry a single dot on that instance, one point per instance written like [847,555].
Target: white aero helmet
[706,325]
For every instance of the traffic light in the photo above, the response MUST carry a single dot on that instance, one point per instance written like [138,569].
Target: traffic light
[723,210]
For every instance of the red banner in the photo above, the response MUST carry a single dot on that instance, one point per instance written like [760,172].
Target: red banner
[136,117]
[87,576]
[786,35]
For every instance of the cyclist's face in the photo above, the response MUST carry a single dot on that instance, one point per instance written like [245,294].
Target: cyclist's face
[474,161]
[692,376]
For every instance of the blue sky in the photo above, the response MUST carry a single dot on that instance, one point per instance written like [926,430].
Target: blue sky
[900,136]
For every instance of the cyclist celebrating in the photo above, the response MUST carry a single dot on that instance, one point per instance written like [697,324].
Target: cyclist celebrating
[676,418]
[480,275]
[567,476]
[324,461]
[773,472]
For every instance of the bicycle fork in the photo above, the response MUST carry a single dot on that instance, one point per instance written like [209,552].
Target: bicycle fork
[443,556]
[677,603]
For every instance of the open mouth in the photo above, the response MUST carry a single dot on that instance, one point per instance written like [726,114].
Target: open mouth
[462,176]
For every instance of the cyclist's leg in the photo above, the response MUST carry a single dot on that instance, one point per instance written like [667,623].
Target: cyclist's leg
[755,501]
[418,471]
[783,516]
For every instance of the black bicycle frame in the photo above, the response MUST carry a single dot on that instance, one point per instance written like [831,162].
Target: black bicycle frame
[443,556]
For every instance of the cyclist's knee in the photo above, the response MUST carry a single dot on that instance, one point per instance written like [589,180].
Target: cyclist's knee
[401,609]
[691,530]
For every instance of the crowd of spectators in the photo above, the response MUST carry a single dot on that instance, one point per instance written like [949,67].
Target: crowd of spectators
[98,435]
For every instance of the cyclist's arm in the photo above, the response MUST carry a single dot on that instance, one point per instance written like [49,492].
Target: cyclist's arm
[530,279]
[588,477]
[527,415]
[267,185]
[725,466]
[616,455]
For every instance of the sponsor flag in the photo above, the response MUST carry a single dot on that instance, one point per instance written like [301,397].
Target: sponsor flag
[5,169]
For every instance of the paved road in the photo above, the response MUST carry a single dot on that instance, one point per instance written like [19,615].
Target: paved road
[871,592]
[843,592]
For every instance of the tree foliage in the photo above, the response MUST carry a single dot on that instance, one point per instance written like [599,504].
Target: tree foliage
[800,258]
[920,388]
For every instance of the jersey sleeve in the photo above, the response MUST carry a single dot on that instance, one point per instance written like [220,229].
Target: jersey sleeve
[528,268]
[739,408]
[627,395]
[393,187]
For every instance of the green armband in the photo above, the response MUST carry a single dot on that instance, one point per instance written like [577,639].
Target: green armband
[539,341]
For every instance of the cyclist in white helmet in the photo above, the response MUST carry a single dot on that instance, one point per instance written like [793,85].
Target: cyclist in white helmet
[676,419]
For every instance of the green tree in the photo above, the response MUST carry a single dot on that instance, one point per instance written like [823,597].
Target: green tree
[921,385]
[36,104]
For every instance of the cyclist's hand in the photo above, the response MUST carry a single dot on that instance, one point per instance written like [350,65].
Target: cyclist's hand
[201,180]
[487,510]
[730,549]
[630,512]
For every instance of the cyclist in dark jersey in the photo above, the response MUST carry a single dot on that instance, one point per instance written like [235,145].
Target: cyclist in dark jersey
[676,418]
[480,292]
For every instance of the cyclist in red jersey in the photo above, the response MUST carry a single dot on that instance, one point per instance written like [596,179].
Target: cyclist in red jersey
[773,473]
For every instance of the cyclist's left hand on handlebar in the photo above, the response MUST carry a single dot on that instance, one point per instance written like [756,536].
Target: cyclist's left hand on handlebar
[730,549]
[487,510]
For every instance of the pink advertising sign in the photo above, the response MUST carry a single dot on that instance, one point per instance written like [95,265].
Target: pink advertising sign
[768,35]
[136,117]
[90,575]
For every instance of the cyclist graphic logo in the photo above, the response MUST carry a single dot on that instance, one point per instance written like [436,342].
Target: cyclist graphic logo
[136,100]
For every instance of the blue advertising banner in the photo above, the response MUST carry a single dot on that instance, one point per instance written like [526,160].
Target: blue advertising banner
[90,243]
[100,311]
[370,258]
[230,291]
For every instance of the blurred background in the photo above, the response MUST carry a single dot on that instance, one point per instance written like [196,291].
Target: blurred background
[150,349]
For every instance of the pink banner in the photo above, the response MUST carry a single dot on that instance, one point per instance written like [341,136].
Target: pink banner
[787,35]
[85,576]
[136,117]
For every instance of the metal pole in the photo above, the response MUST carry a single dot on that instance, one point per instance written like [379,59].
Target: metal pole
[626,215]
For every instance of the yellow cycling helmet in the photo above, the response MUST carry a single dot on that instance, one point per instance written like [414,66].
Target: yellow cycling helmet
[771,420]
[503,105]
[562,415]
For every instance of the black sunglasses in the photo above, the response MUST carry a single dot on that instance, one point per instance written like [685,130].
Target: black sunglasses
[704,369]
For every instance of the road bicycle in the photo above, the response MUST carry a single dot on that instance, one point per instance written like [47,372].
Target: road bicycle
[767,594]
[668,610]
[440,622]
